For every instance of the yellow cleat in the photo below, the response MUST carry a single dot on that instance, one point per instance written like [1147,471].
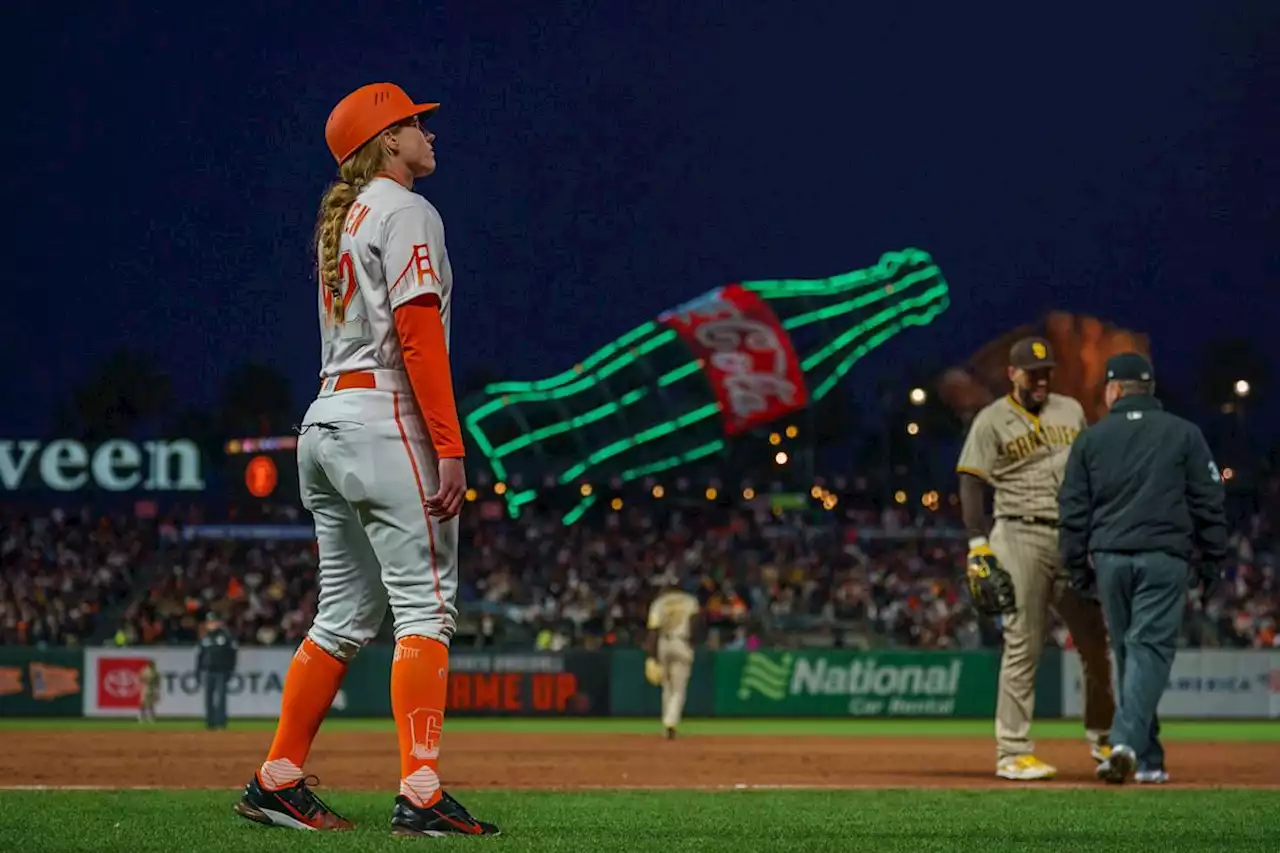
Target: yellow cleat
[1101,752]
[1025,768]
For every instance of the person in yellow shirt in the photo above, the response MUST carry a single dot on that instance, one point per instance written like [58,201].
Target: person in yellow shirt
[669,646]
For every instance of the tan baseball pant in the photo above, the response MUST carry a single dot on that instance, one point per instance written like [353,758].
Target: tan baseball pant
[676,658]
[1029,552]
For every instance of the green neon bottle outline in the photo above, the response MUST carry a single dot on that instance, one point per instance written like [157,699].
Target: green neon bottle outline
[583,383]
[693,367]
[882,271]
[650,336]
[933,302]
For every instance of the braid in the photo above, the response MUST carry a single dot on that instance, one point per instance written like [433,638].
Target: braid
[354,175]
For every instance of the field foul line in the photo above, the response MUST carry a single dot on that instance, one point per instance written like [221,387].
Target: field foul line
[975,786]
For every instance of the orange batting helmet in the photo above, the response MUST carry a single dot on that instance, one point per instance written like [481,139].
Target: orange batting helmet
[365,113]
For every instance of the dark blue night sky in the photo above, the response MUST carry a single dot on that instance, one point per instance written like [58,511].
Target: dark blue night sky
[598,165]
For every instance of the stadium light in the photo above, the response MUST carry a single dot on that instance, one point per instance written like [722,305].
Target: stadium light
[913,428]
[775,439]
[499,488]
[748,494]
[585,490]
[780,457]
[792,431]
[658,491]
[616,503]
[1242,388]
[711,493]
[918,396]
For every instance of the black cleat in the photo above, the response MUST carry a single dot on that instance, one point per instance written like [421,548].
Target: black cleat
[296,807]
[446,817]
[671,733]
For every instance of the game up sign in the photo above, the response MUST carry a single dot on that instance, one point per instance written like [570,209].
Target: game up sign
[856,684]
[520,684]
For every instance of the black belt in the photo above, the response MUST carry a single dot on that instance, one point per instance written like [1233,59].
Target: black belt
[1030,519]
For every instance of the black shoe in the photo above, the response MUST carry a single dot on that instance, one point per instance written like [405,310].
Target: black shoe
[1117,769]
[671,733]
[446,817]
[296,807]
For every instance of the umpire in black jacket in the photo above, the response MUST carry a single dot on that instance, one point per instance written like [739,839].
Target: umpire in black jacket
[216,663]
[1141,492]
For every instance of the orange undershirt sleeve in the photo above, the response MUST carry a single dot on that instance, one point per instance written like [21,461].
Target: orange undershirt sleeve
[426,360]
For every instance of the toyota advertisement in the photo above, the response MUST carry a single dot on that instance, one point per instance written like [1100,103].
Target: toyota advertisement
[113,687]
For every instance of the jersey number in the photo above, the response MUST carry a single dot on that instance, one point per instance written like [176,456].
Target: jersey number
[346,284]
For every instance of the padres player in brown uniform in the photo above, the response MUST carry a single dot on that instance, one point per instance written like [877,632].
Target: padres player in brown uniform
[1018,445]
[670,643]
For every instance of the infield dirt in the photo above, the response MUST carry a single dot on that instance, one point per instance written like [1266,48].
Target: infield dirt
[469,760]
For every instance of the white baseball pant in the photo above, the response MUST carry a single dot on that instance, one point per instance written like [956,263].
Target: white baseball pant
[365,466]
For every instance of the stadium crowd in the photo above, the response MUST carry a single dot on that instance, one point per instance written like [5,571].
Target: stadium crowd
[854,577]
[60,571]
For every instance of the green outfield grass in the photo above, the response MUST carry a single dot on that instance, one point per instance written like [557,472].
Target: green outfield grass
[1266,731]
[1059,821]
[1055,819]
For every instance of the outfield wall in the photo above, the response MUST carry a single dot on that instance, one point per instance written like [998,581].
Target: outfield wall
[103,682]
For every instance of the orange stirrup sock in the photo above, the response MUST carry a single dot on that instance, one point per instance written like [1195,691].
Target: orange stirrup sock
[309,687]
[419,682]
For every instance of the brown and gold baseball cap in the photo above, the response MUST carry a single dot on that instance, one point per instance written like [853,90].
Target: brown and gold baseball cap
[1031,354]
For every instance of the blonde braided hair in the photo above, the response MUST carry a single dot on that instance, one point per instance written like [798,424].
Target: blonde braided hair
[357,171]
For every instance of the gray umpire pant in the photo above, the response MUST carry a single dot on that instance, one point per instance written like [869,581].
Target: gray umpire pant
[215,699]
[1143,596]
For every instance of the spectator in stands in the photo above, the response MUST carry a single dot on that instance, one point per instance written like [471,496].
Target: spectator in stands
[856,577]
[60,571]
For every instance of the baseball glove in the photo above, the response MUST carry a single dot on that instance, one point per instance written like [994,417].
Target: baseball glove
[990,586]
[652,671]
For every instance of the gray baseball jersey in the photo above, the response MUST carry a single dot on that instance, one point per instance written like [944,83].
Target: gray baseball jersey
[1021,455]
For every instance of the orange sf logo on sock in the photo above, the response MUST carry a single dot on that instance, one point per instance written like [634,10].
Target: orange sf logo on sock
[425,725]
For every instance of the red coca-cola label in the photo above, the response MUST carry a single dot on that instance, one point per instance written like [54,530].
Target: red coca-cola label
[746,354]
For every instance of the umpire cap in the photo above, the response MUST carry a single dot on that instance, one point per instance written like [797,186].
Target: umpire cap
[1129,366]
[1031,354]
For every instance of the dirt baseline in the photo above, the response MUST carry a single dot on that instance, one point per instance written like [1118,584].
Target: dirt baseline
[471,760]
